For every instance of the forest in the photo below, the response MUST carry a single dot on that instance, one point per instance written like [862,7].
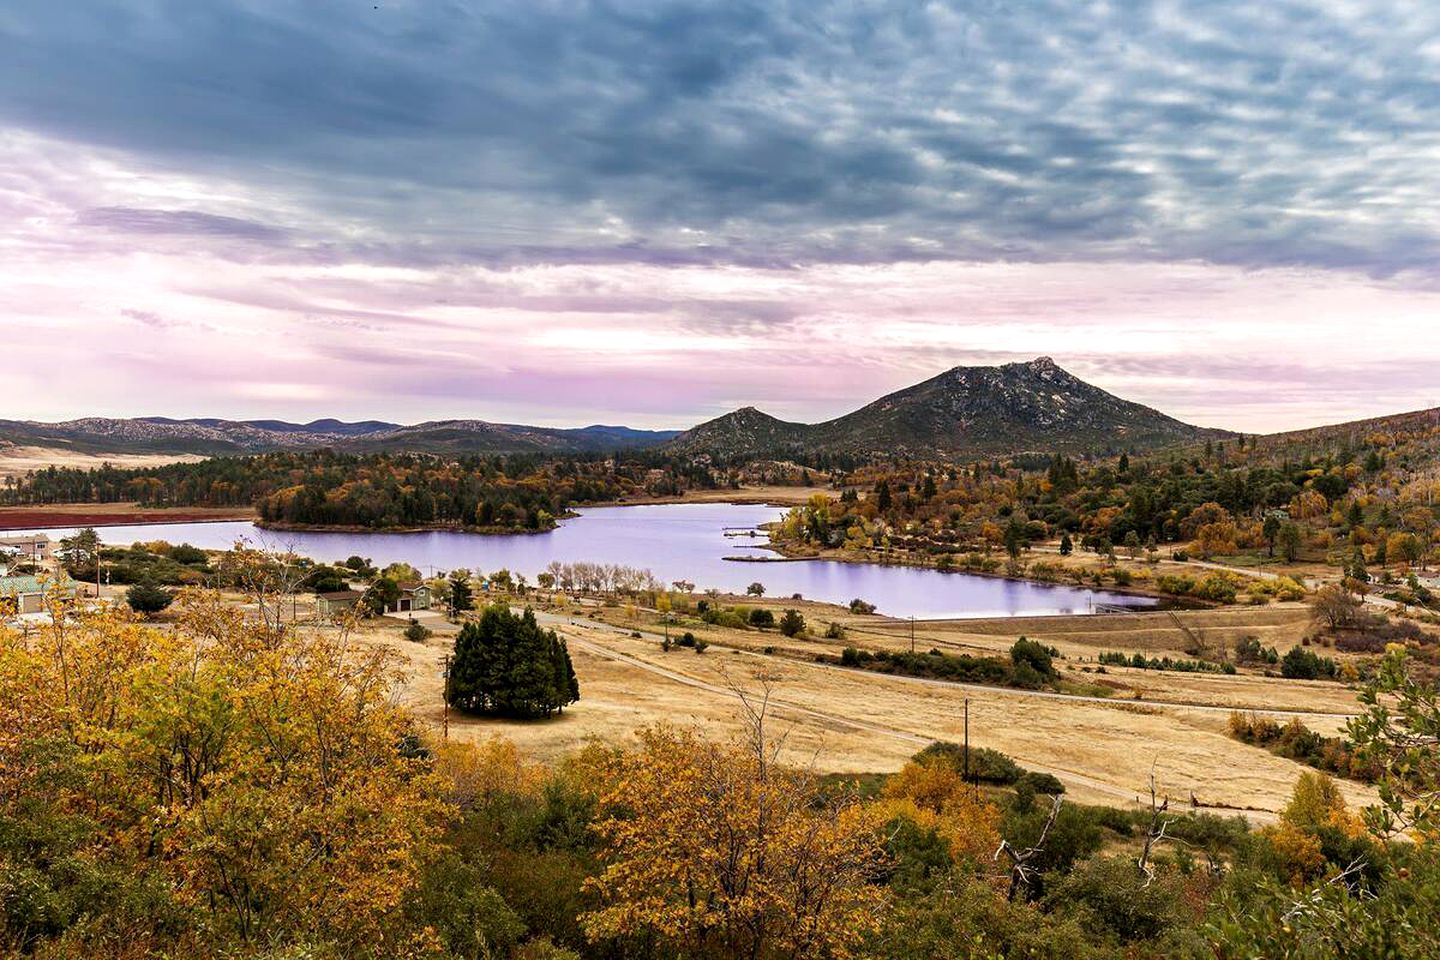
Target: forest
[1370,507]
[379,491]
[234,787]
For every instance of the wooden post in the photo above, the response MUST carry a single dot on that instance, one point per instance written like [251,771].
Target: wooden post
[966,777]
[445,698]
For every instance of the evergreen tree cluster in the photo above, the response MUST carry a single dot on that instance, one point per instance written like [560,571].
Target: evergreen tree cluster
[507,665]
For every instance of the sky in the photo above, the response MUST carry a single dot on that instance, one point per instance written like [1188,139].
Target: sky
[651,213]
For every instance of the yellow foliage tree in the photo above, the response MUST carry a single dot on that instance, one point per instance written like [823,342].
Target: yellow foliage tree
[720,852]
[934,796]
[1315,805]
[1216,539]
[264,777]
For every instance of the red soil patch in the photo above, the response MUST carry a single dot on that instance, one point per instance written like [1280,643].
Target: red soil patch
[109,515]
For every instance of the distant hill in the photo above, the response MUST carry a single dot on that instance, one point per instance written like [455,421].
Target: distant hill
[214,437]
[963,412]
[480,436]
[326,427]
[1420,428]
[746,432]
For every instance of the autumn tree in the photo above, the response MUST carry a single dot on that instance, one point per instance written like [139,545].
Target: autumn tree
[1216,539]
[211,789]
[719,851]
[1335,607]
[933,796]
[1406,548]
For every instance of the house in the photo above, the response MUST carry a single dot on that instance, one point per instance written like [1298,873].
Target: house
[27,594]
[28,548]
[413,596]
[336,602]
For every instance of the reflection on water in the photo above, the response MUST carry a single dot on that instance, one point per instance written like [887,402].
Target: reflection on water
[675,541]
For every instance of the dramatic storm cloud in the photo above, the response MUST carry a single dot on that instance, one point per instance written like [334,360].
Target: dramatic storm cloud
[645,212]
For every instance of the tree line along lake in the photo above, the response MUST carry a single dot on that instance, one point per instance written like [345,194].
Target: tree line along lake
[676,542]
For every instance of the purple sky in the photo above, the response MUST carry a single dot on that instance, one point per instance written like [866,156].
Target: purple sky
[568,213]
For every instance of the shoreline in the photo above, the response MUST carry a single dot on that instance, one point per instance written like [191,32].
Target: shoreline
[1165,601]
[774,496]
[118,518]
[431,528]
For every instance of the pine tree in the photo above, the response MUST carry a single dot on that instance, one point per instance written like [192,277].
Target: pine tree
[461,597]
[509,666]
[882,496]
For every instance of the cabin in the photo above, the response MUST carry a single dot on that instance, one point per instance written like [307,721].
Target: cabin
[336,603]
[25,595]
[413,596]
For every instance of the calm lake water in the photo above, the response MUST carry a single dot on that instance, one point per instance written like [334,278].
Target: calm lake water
[675,541]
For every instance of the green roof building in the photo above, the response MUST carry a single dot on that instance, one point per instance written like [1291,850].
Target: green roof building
[28,593]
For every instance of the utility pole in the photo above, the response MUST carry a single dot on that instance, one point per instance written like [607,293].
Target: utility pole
[966,777]
[445,698]
[912,633]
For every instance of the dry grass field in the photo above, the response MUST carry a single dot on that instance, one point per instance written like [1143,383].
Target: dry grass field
[18,460]
[774,495]
[851,721]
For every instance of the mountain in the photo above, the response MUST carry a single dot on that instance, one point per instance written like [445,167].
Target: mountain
[746,432]
[327,427]
[214,437]
[963,412]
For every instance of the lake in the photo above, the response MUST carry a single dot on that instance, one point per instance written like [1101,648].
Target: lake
[676,542]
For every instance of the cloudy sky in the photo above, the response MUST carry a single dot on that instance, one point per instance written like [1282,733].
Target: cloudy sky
[650,213]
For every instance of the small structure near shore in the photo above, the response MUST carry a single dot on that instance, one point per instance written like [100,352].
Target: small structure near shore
[25,595]
[413,596]
[336,602]
[30,548]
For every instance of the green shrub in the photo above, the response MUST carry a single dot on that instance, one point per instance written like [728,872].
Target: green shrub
[1110,897]
[148,598]
[1302,664]
[986,765]
[1035,655]
[1046,783]
[792,624]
